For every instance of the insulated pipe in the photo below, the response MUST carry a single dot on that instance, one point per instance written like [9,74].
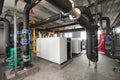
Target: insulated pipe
[68,8]
[25,40]
[19,27]
[70,30]
[83,9]
[7,30]
[61,26]
[108,29]
[1,6]
[63,5]
[87,12]
[49,19]
[92,46]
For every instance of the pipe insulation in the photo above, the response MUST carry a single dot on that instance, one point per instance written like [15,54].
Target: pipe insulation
[7,31]
[2,41]
[1,6]
[63,5]
[25,33]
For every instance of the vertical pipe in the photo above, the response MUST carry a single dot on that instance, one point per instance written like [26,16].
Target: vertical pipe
[92,43]
[34,40]
[25,39]
[15,40]
[7,31]
[1,6]
[96,11]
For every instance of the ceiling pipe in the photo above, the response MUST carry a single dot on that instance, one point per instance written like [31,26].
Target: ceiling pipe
[1,6]
[62,26]
[63,5]
[91,28]
[7,31]
[70,30]
[25,40]
[84,10]
[48,20]
[59,26]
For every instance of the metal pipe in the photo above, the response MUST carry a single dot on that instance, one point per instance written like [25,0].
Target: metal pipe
[63,5]
[91,46]
[96,11]
[25,40]
[1,6]
[86,11]
[108,29]
[49,19]
[61,26]
[70,30]
[15,39]
[19,27]
[7,30]
[34,41]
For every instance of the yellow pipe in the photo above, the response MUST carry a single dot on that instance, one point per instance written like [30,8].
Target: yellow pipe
[58,34]
[51,34]
[34,41]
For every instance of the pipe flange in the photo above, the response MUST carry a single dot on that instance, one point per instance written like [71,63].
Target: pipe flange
[75,14]
[73,6]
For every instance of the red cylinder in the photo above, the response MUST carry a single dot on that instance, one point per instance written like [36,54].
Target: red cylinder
[101,42]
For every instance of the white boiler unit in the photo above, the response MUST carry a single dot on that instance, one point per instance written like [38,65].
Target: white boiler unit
[53,49]
[76,46]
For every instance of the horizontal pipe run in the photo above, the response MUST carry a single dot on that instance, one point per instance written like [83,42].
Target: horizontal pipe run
[86,11]
[86,24]
[48,20]
[62,26]
[70,30]
[59,26]
[63,5]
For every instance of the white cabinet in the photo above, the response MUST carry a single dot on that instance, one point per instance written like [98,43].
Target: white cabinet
[76,46]
[53,49]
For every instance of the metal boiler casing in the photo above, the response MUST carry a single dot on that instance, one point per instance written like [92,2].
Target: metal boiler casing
[53,49]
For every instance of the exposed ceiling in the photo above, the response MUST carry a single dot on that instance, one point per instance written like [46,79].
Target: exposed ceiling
[110,8]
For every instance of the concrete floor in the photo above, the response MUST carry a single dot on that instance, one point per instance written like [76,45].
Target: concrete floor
[78,69]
